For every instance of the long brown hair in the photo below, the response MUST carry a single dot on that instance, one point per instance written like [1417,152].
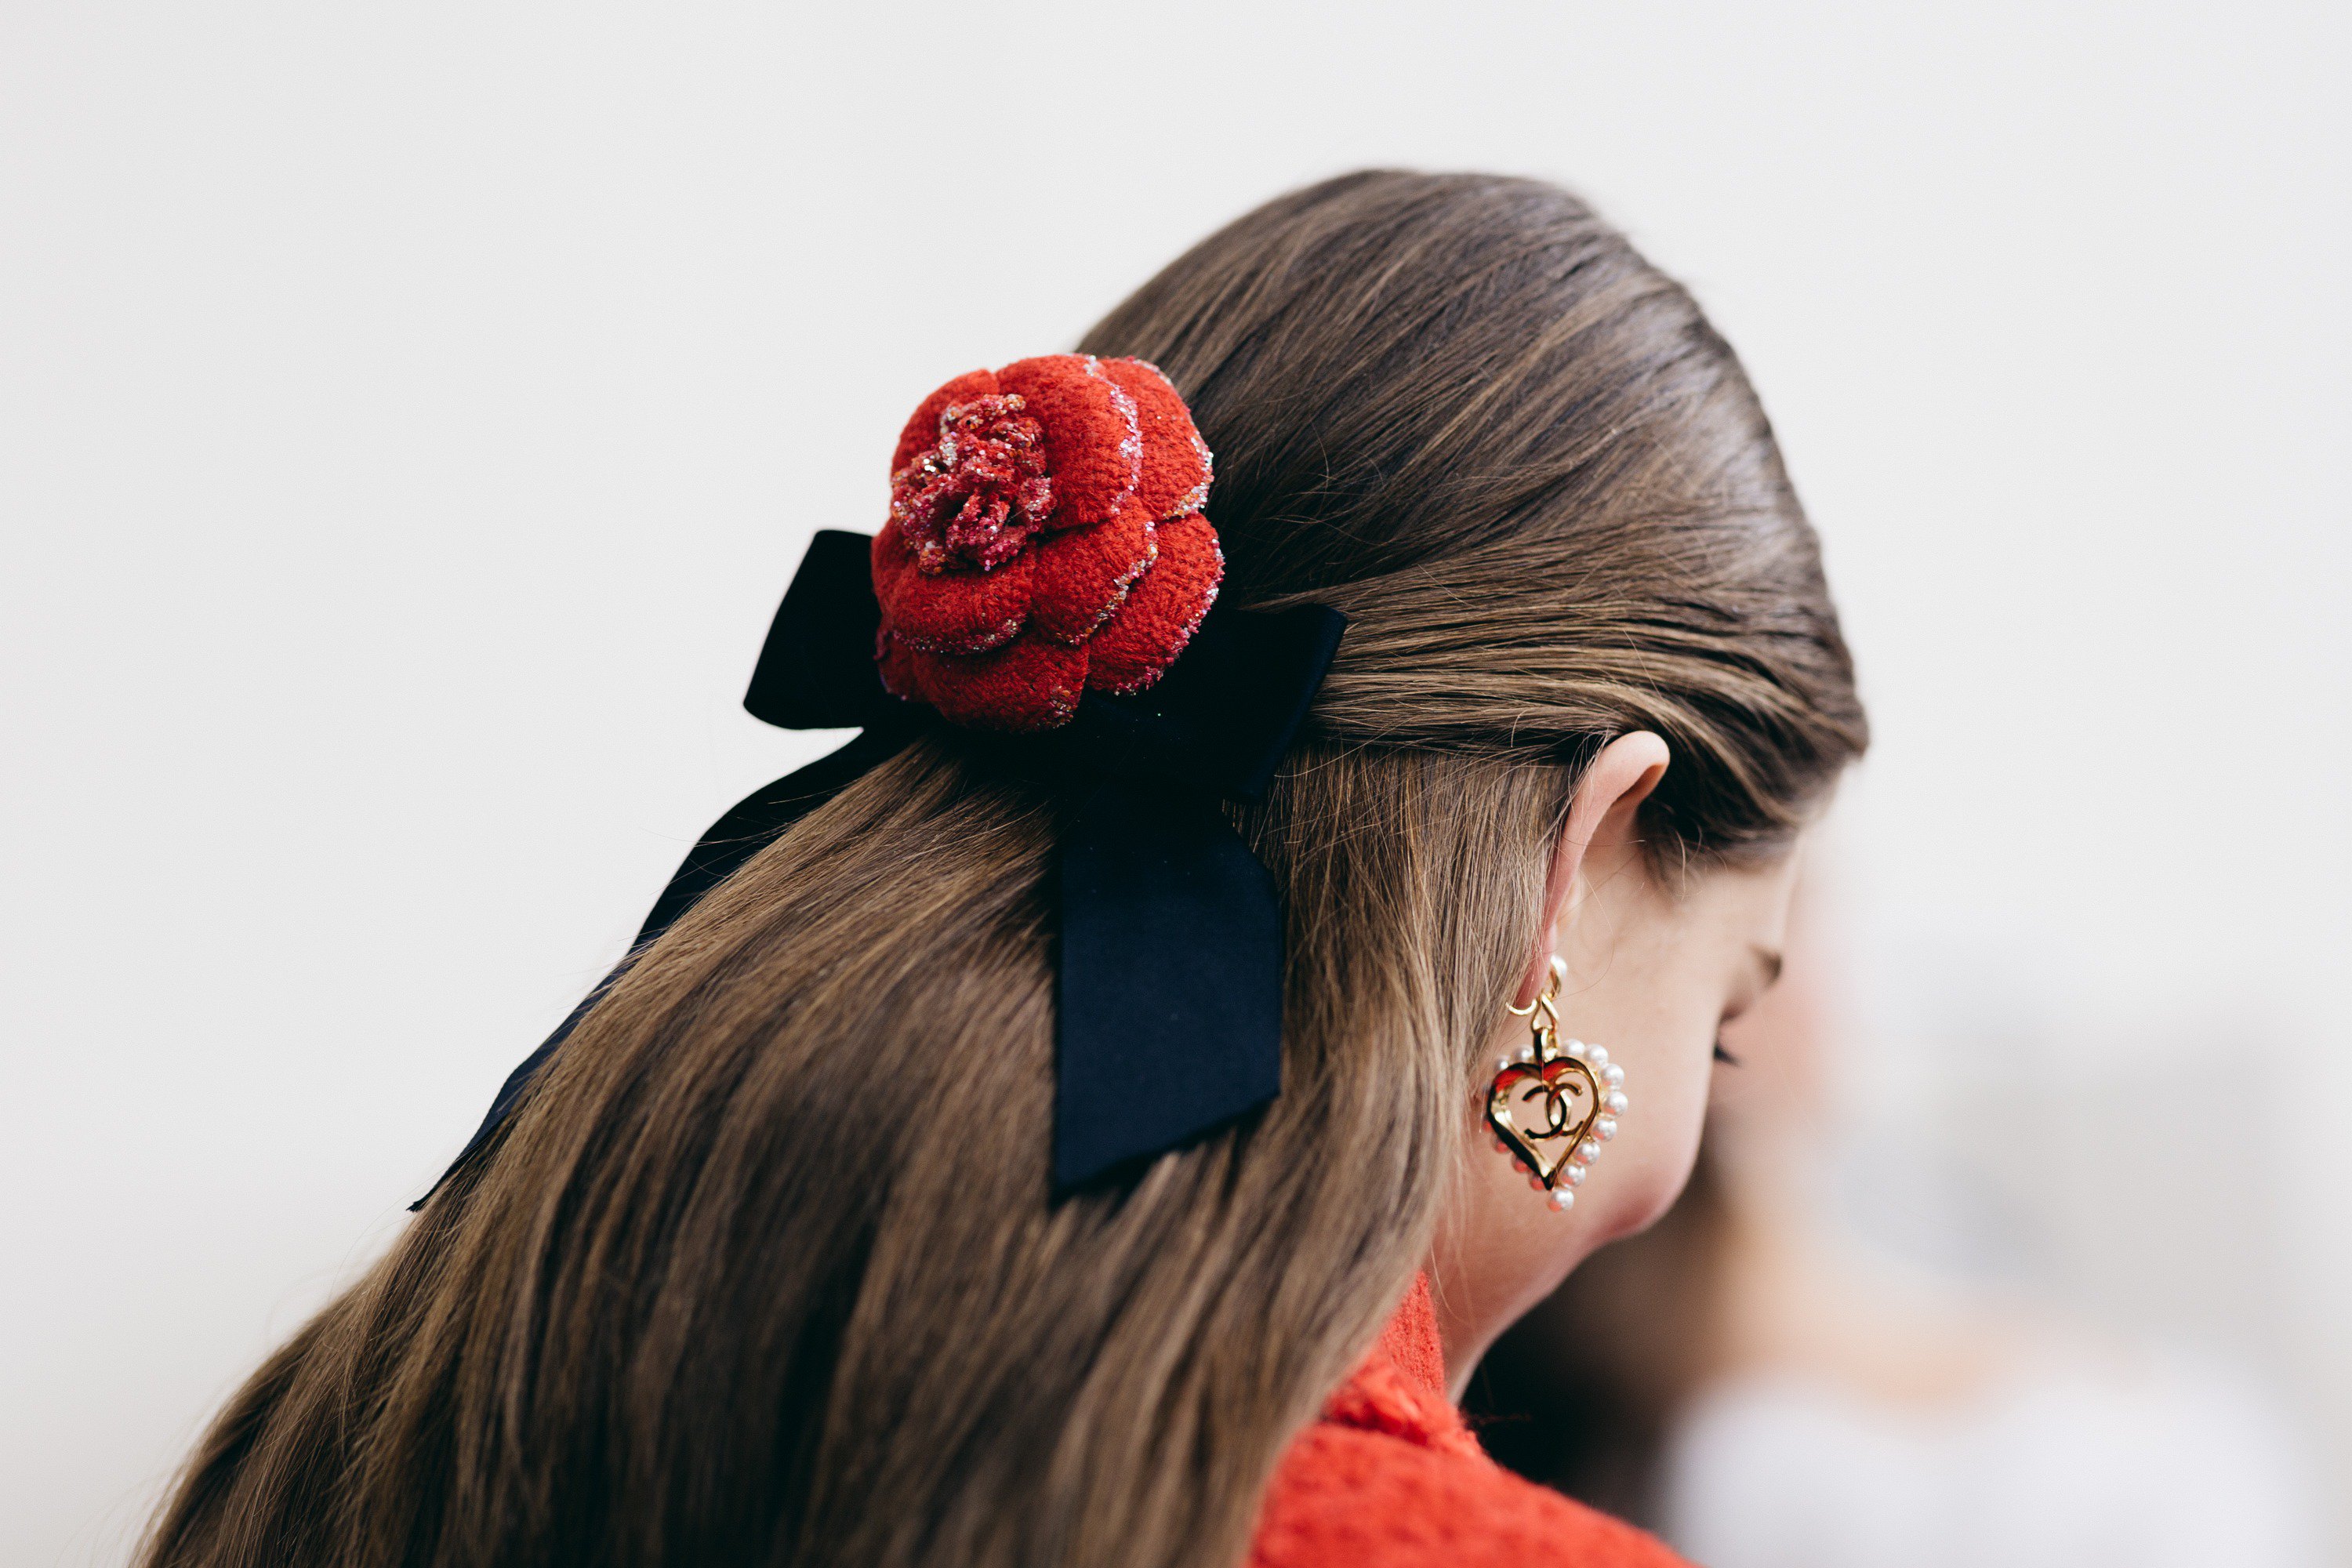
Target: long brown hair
[766,1270]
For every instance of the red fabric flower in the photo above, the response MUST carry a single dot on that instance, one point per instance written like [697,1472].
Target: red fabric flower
[1045,536]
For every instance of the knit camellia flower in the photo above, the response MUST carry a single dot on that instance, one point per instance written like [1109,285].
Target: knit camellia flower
[1045,537]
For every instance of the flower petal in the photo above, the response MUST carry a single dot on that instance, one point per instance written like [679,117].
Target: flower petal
[1084,573]
[1029,683]
[895,661]
[923,428]
[953,611]
[1162,611]
[1174,478]
[1094,450]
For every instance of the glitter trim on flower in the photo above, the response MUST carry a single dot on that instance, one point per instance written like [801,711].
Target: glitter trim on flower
[1045,538]
[974,496]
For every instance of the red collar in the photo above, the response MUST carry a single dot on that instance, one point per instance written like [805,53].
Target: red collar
[1390,1478]
[1400,1388]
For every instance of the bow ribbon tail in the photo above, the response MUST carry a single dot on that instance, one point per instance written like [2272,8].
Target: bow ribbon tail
[750,826]
[1168,990]
[1168,999]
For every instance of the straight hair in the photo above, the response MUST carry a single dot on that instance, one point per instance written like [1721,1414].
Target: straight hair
[766,1269]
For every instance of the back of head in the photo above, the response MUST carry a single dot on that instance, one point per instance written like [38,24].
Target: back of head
[768,1270]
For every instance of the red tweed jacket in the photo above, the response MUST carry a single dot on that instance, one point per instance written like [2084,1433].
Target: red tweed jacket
[1390,1478]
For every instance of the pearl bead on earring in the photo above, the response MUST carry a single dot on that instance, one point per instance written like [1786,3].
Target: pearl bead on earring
[1579,1091]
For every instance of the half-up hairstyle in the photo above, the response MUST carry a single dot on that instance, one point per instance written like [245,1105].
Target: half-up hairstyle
[766,1269]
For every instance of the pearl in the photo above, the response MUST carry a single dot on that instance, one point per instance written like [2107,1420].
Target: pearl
[1597,1056]
[1605,1129]
[1612,1074]
[1616,1103]
[1563,1200]
[1536,1182]
[1575,1175]
[1586,1152]
[1502,1064]
[1527,1053]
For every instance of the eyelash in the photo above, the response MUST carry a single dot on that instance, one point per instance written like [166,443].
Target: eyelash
[1723,1056]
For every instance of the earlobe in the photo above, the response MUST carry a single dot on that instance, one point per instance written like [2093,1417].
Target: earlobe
[1611,789]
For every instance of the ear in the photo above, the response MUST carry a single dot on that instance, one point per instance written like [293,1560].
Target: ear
[1615,782]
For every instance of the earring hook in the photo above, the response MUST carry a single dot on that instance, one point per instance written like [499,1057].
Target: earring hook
[1551,992]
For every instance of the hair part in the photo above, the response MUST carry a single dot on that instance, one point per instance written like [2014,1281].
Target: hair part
[767,1269]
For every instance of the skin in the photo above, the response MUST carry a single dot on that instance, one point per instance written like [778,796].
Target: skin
[1654,972]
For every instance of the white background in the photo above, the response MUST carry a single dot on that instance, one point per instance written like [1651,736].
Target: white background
[410,414]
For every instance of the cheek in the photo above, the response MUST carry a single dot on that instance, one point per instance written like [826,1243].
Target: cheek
[1667,1052]
[1660,1151]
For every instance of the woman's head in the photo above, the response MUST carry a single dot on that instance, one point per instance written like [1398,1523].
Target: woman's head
[1651,966]
[1468,413]
[767,1268]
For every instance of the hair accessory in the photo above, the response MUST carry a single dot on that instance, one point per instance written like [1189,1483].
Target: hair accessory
[1043,566]
[1045,539]
[1577,1089]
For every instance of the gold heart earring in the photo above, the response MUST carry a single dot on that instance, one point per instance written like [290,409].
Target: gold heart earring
[1578,1087]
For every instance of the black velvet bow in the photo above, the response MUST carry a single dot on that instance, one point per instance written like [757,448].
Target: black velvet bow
[1167,1021]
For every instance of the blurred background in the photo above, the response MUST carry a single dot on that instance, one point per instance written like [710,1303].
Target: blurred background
[409,416]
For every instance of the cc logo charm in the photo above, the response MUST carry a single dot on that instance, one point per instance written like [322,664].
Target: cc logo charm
[1554,1106]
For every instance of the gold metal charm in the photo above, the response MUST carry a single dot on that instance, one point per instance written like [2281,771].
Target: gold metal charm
[1553,1107]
